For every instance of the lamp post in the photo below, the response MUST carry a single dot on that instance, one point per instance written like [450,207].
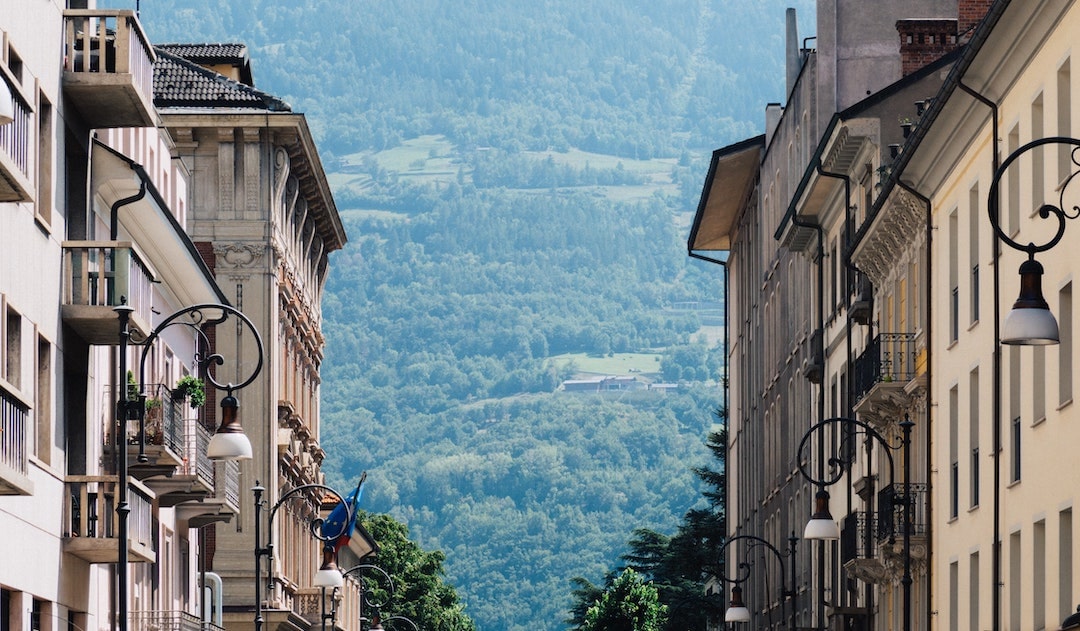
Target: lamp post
[1029,323]
[737,610]
[228,443]
[822,526]
[328,575]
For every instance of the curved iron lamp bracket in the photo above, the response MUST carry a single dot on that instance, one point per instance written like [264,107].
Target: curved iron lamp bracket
[841,461]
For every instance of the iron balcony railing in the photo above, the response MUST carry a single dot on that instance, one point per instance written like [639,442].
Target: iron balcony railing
[890,357]
[227,483]
[14,450]
[891,500]
[169,621]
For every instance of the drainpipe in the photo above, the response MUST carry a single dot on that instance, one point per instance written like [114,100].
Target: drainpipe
[796,220]
[114,216]
[995,570]
[849,267]
[929,324]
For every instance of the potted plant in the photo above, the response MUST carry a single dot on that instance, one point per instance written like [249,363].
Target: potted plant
[191,388]
[154,421]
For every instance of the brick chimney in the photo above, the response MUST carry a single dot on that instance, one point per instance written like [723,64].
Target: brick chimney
[969,13]
[924,41]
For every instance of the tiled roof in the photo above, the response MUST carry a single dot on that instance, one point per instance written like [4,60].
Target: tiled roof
[182,83]
[208,53]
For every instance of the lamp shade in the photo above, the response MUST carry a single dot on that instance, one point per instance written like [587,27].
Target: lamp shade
[737,611]
[229,442]
[1030,322]
[329,575]
[821,526]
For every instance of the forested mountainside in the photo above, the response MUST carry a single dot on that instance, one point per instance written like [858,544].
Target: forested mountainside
[516,180]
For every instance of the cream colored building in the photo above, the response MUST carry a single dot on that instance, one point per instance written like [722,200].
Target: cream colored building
[1014,84]
[105,199]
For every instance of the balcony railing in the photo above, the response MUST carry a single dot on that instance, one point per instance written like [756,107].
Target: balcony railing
[108,68]
[890,357]
[14,445]
[853,543]
[91,522]
[890,520]
[227,483]
[16,141]
[97,275]
[169,621]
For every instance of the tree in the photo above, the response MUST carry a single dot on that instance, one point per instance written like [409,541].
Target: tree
[630,604]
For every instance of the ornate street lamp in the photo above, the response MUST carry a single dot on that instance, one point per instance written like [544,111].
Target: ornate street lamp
[821,525]
[737,611]
[228,443]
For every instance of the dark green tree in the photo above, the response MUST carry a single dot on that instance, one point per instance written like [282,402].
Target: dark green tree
[421,594]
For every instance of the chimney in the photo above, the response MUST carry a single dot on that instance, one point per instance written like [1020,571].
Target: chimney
[924,41]
[794,58]
[969,13]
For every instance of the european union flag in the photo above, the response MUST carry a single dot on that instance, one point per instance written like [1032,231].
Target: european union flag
[340,523]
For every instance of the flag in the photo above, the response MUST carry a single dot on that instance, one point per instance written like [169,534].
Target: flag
[339,525]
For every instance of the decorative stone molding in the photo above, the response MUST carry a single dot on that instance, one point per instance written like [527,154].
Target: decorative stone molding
[899,227]
[239,255]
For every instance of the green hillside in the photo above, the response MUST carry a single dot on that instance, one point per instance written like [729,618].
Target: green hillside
[516,180]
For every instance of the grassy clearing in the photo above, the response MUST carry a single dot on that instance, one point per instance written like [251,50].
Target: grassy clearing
[617,364]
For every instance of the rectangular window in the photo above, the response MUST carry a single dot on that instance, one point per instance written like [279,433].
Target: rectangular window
[973,593]
[954,277]
[954,451]
[1038,162]
[1065,564]
[1065,350]
[954,595]
[43,403]
[1038,574]
[1064,119]
[1016,586]
[13,349]
[44,161]
[973,433]
[974,225]
[1011,211]
[1014,462]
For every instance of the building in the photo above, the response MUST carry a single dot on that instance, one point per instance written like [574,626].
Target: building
[816,334]
[1002,521]
[118,188]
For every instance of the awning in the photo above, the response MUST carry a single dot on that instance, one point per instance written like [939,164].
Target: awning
[731,178]
[147,221]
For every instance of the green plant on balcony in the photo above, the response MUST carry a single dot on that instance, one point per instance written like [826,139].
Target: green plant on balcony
[191,388]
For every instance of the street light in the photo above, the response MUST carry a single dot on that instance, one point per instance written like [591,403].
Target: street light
[328,575]
[1030,322]
[228,443]
[737,610]
[817,528]
[366,600]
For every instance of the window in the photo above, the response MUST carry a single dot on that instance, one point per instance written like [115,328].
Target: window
[1016,585]
[13,348]
[973,433]
[1011,212]
[1065,568]
[1038,163]
[43,404]
[975,221]
[1064,119]
[1038,574]
[1038,383]
[44,161]
[954,277]
[954,468]
[1014,466]
[1065,350]
[973,593]
[954,595]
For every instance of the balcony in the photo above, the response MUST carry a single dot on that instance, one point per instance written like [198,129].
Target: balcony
[108,68]
[877,555]
[881,375]
[16,140]
[91,523]
[98,276]
[14,445]
[169,621]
